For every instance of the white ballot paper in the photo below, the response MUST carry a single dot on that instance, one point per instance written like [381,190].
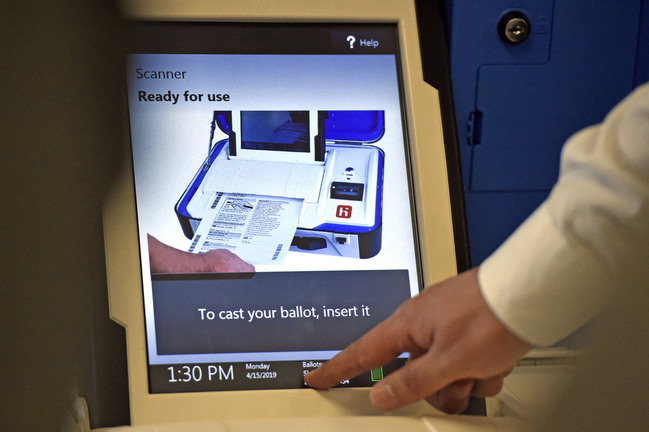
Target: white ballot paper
[259,229]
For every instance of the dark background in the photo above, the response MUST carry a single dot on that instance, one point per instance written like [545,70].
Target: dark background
[59,125]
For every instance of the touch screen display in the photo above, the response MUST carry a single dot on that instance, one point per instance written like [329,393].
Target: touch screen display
[273,201]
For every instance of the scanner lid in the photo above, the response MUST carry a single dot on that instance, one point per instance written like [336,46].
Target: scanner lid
[362,126]
[355,126]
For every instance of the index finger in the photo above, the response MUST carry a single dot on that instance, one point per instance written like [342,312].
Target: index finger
[375,348]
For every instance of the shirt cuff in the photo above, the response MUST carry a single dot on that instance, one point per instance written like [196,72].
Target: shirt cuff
[540,284]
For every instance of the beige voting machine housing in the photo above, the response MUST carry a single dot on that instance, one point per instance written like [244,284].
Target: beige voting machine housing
[375,50]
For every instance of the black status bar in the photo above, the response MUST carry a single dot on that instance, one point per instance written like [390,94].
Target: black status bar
[255,375]
[260,38]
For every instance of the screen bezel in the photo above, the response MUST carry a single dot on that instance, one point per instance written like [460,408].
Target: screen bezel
[434,213]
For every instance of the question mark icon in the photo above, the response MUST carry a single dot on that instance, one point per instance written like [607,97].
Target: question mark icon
[351,39]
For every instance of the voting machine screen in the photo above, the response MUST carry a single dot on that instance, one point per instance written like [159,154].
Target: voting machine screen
[306,163]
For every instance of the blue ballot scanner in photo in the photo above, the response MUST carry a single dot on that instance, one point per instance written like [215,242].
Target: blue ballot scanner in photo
[325,158]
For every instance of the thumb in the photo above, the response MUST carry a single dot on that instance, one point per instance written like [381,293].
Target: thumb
[454,398]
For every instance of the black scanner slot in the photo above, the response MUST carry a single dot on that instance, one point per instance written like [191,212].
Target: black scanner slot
[309,243]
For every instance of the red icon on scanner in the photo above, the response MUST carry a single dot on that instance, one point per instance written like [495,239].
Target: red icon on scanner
[344,211]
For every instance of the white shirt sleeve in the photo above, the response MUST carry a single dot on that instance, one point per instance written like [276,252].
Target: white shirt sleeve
[590,238]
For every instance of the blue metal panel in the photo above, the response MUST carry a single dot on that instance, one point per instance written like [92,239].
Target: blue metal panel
[528,111]
[517,104]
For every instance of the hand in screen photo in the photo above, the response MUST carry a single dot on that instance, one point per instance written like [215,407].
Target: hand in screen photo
[457,348]
[166,259]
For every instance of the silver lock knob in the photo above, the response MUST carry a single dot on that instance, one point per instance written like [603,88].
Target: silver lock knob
[514,27]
